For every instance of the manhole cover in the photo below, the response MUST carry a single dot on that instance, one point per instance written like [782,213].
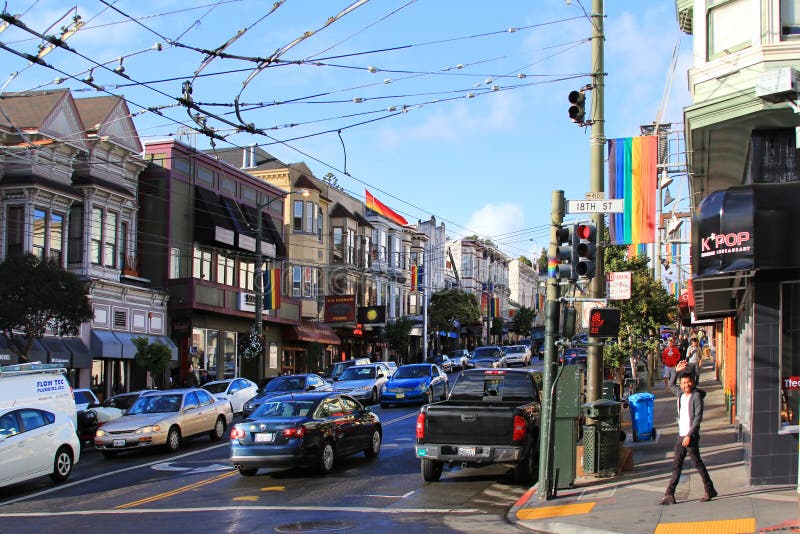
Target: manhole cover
[314,526]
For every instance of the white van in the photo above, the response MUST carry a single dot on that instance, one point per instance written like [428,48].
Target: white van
[37,385]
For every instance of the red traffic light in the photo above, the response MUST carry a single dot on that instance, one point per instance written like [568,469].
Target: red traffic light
[585,231]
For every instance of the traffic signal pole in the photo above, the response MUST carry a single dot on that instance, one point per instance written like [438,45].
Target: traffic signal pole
[594,378]
[551,311]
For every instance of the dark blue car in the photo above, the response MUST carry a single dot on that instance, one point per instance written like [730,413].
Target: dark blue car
[415,383]
[304,429]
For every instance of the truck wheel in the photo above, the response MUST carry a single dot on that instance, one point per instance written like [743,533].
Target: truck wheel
[431,470]
[525,469]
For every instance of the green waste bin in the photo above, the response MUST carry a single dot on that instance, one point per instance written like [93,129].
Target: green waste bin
[601,439]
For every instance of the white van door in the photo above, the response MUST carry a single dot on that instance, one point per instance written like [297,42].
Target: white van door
[13,454]
[40,439]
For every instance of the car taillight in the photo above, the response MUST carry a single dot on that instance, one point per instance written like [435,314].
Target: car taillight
[294,432]
[494,372]
[237,433]
[421,426]
[520,428]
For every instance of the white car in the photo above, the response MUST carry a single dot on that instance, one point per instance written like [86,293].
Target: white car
[83,398]
[36,442]
[236,390]
[518,354]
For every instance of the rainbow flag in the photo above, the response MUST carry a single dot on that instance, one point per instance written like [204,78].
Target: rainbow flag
[632,176]
[272,289]
[414,278]
[381,209]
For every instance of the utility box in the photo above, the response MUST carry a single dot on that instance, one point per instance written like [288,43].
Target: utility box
[568,401]
[601,439]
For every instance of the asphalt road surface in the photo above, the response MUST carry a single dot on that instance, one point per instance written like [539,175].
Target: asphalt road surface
[197,488]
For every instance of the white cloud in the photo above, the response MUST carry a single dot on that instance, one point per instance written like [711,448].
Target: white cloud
[496,220]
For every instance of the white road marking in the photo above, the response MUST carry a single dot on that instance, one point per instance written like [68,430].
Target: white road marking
[409,494]
[167,466]
[351,509]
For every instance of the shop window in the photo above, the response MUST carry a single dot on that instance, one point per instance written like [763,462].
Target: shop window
[789,402]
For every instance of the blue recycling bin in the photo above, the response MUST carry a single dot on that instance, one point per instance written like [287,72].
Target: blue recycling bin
[641,405]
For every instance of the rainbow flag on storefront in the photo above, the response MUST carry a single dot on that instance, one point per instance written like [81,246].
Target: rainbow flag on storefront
[272,289]
[380,208]
[632,176]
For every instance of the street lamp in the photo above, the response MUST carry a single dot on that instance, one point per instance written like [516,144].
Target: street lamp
[258,282]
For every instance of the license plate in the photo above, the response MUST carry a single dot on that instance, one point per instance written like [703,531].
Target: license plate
[466,451]
[265,437]
[119,443]
[401,395]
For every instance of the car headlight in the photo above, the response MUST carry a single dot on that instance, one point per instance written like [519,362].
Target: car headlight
[422,386]
[100,433]
[147,429]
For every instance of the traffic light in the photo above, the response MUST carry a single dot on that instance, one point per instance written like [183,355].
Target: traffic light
[577,112]
[586,250]
[566,252]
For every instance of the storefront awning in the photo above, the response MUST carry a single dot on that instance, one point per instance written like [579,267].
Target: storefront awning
[212,225]
[318,332]
[37,352]
[164,340]
[81,357]
[57,351]
[126,339]
[104,344]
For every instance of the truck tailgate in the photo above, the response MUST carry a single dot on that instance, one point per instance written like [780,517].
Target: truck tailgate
[463,425]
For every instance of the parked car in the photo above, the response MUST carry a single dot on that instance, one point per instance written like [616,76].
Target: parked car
[363,382]
[392,366]
[165,418]
[123,401]
[235,390]
[37,385]
[416,382]
[333,372]
[574,355]
[460,358]
[36,442]
[281,385]
[443,361]
[518,354]
[489,356]
[84,398]
[304,429]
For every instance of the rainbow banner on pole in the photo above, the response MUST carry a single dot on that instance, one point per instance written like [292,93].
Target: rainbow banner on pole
[632,176]
[382,209]
[272,289]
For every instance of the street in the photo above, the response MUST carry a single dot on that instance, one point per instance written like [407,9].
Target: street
[159,491]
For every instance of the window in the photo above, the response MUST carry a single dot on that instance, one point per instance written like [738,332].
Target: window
[201,264]
[96,236]
[319,223]
[9,426]
[75,246]
[123,245]
[351,247]
[790,18]
[110,239]
[32,419]
[56,243]
[39,230]
[338,244]
[728,22]
[247,273]
[191,401]
[226,269]
[789,402]
[297,277]
[297,216]
[366,251]
[310,214]
[174,262]
[121,319]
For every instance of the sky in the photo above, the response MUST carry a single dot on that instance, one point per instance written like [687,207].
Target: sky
[443,108]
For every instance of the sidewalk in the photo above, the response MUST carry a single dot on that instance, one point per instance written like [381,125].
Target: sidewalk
[628,503]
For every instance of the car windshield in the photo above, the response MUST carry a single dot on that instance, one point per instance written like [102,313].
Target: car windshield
[295,383]
[122,402]
[155,404]
[290,408]
[216,387]
[358,373]
[487,352]
[415,371]
[83,397]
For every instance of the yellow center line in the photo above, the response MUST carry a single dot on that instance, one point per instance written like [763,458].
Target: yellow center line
[177,491]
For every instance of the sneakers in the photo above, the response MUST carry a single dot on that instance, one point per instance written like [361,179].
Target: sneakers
[667,499]
[708,496]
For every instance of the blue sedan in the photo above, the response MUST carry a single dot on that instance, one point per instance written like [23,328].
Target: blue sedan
[415,383]
[304,429]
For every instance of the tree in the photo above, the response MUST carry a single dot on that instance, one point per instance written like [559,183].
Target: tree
[523,321]
[396,335]
[526,261]
[649,307]
[542,261]
[37,295]
[452,306]
[497,327]
[152,357]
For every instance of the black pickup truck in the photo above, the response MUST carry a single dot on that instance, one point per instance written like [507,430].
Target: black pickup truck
[491,416]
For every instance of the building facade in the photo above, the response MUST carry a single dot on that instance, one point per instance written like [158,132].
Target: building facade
[742,145]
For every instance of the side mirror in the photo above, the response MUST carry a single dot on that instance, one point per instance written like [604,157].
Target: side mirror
[367,409]
[310,387]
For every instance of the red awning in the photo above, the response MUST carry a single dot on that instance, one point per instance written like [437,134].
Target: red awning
[321,333]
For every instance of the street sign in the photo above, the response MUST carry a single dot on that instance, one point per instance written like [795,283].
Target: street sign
[618,285]
[612,205]
[595,195]
[604,322]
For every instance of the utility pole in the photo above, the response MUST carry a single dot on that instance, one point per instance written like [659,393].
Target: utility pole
[258,284]
[552,309]
[594,378]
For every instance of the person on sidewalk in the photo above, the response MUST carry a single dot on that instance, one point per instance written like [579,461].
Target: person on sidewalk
[693,358]
[690,414]
[670,357]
